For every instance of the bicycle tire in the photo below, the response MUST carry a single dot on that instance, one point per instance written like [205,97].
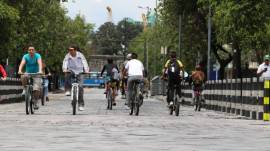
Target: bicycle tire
[27,101]
[74,101]
[196,103]
[32,105]
[137,99]
[177,109]
[109,99]
[43,97]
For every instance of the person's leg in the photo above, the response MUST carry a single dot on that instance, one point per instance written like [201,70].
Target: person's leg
[24,79]
[81,92]
[129,90]
[46,84]
[37,83]
[67,83]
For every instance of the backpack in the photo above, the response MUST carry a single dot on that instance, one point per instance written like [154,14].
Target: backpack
[115,74]
[173,69]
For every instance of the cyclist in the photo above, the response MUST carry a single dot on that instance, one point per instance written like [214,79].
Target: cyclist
[75,61]
[134,69]
[33,63]
[112,77]
[124,77]
[3,73]
[197,78]
[172,70]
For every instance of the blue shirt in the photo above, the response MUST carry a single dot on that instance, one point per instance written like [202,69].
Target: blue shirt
[31,63]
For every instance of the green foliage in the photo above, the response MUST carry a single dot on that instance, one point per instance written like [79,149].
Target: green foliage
[43,24]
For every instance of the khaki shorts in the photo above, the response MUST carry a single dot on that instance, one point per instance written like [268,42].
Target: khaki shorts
[37,82]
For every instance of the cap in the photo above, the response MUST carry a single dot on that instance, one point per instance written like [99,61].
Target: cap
[129,56]
[267,57]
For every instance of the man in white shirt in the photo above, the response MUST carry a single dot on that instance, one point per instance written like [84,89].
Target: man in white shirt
[134,69]
[264,68]
[75,61]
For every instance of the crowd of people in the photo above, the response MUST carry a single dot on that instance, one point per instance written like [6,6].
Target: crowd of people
[120,79]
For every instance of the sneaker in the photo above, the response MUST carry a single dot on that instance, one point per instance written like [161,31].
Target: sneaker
[81,108]
[67,93]
[114,104]
[170,104]
[23,92]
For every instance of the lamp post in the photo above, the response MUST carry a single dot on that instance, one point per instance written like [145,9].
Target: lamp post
[209,44]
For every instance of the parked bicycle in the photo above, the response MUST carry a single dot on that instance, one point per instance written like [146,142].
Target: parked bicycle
[137,97]
[29,103]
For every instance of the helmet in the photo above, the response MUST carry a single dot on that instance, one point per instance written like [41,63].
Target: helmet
[129,56]
[266,57]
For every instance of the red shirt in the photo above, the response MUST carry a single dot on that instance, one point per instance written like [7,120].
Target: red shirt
[2,71]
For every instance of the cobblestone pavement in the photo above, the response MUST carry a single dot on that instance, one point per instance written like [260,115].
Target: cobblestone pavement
[53,127]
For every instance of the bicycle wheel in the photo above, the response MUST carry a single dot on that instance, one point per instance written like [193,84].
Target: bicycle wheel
[31,104]
[171,96]
[196,102]
[74,100]
[176,104]
[137,100]
[43,97]
[137,107]
[109,99]
[27,101]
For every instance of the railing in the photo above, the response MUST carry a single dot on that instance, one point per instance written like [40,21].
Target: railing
[10,90]
[241,97]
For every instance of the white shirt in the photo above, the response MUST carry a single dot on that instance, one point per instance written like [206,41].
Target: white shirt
[261,68]
[134,68]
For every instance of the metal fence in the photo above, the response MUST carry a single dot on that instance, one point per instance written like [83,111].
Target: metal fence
[237,96]
[10,90]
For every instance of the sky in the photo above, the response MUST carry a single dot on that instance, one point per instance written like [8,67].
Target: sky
[95,11]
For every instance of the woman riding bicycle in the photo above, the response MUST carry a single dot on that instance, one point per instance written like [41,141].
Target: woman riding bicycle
[112,77]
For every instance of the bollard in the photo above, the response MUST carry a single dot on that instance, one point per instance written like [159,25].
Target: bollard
[266,100]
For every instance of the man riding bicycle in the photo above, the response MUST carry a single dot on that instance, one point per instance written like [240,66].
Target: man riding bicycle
[134,69]
[197,78]
[172,71]
[75,62]
[112,77]
[33,64]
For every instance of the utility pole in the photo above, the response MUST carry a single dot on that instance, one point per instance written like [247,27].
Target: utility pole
[209,44]
[180,28]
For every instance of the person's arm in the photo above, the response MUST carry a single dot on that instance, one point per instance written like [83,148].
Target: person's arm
[85,64]
[3,72]
[165,69]
[125,73]
[23,62]
[103,69]
[65,64]
[39,65]
[260,70]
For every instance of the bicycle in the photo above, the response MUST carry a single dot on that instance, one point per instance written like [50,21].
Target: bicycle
[110,94]
[75,89]
[137,98]
[174,97]
[43,97]
[29,104]
[198,99]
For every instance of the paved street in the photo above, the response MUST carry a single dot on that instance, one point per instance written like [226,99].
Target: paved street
[54,128]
